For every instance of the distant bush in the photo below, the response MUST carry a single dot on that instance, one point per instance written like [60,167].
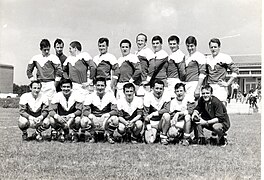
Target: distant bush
[9,102]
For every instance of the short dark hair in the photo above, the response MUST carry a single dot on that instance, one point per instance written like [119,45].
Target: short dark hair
[157,38]
[191,40]
[44,43]
[100,79]
[129,85]
[76,44]
[207,87]
[215,40]
[142,34]
[102,40]
[178,85]
[59,41]
[65,81]
[174,38]
[159,82]
[35,81]
[125,41]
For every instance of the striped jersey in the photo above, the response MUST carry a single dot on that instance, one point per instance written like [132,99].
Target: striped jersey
[77,67]
[48,68]
[29,106]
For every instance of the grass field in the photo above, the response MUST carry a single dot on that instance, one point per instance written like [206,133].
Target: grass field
[54,160]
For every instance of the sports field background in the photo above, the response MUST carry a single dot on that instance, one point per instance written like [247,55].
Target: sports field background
[55,160]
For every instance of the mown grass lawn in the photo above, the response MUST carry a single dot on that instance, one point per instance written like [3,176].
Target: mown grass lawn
[54,160]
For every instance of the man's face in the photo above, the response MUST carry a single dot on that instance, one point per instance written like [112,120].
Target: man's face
[214,48]
[66,89]
[125,49]
[72,51]
[174,46]
[102,48]
[158,90]
[45,51]
[180,93]
[129,93]
[35,89]
[100,87]
[206,94]
[59,48]
[191,48]
[156,45]
[141,42]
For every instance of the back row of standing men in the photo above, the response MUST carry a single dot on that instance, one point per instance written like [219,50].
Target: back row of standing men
[141,68]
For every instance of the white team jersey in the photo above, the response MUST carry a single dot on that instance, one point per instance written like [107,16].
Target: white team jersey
[94,99]
[106,57]
[34,105]
[73,59]
[177,56]
[176,105]
[146,52]
[59,98]
[130,57]
[151,100]
[41,60]
[130,108]
[197,56]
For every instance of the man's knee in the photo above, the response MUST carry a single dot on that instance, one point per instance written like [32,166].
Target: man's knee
[173,132]
[23,123]
[218,127]
[139,124]
[166,117]
[46,123]
[187,118]
[121,128]
[84,122]
[113,121]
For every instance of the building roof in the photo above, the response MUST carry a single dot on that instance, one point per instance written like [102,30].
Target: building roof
[247,60]
[6,66]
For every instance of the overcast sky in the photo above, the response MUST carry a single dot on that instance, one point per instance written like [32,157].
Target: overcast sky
[25,22]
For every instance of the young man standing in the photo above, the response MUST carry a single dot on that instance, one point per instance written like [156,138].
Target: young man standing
[79,68]
[99,112]
[156,109]
[65,112]
[129,66]
[58,46]
[195,69]
[130,110]
[106,63]
[218,63]
[176,64]
[49,70]
[159,65]
[33,110]
[210,113]
[145,55]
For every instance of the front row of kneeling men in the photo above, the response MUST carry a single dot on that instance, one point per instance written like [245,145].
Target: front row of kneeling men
[154,118]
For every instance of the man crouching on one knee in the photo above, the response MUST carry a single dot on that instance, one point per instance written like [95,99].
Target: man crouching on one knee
[156,114]
[130,110]
[180,119]
[210,113]
[65,112]
[100,113]
[33,110]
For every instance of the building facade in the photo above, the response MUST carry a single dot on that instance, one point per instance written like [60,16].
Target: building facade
[6,78]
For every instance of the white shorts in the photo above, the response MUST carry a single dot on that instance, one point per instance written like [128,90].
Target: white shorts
[220,92]
[119,89]
[190,88]
[48,88]
[79,88]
